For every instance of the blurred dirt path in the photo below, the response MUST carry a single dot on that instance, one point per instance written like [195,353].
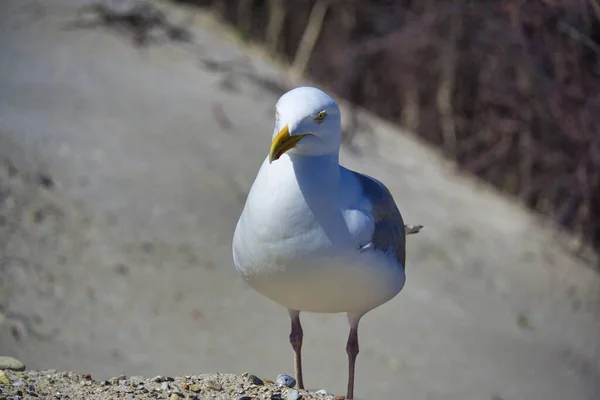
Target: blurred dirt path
[124,171]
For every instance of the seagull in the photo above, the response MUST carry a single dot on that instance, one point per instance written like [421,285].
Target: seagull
[314,236]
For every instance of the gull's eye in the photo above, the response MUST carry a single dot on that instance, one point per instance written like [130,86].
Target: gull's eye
[320,117]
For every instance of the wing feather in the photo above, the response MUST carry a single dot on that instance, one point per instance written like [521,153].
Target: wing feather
[389,234]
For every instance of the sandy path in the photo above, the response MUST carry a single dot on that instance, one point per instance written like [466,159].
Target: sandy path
[122,263]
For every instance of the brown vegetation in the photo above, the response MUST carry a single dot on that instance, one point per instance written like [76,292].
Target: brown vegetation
[508,89]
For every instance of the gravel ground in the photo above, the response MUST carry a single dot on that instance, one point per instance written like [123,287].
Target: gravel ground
[51,384]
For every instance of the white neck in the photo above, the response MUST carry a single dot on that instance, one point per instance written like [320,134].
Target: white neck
[318,179]
[316,174]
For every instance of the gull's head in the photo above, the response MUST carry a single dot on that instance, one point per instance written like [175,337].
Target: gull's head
[307,122]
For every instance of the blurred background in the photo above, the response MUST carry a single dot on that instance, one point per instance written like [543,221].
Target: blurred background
[131,131]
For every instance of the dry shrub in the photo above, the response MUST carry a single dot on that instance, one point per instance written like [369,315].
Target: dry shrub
[509,89]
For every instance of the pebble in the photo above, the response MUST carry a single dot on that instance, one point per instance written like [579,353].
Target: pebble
[117,379]
[158,378]
[244,398]
[136,379]
[213,385]
[195,388]
[4,379]
[164,385]
[174,396]
[322,392]
[285,380]
[12,364]
[122,269]
[255,380]
[292,394]
[19,384]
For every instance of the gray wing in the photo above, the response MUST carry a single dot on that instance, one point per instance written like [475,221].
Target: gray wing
[390,232]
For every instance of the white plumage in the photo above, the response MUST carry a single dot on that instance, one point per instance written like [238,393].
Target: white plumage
[313,235]
[309,254]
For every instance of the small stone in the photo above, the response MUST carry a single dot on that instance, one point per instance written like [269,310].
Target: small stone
[169,379]
[292,394]
[255,380]
[195,388]
[147,247]
[136,379]
[174,396]
[105,383]
[322,392]
[122,269]
[185,386]
[213,385]
[244,398]
[158,378]
[45,180]
[285,380]
[164,386]
[19,384]
[4,379]
[11,364]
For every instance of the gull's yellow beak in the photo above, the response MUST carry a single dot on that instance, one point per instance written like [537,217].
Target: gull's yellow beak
[282,143]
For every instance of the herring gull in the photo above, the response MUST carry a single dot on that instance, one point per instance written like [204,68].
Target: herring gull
[314,236]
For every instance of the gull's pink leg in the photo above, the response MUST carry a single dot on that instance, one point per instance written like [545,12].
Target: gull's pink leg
[352,350]
[296,336]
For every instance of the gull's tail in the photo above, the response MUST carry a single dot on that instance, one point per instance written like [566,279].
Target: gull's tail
[412,229]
